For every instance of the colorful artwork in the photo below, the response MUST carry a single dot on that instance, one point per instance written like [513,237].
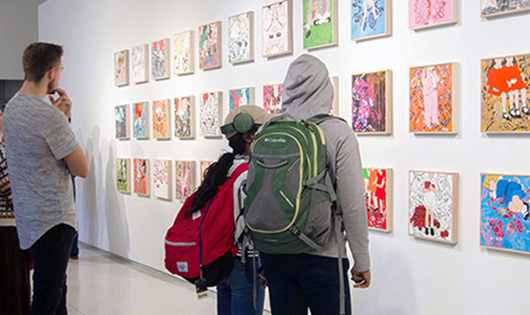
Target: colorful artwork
[184,117]
[162,178]
[184,179]
[123,175]
[204,166]
[210,46]
[161,119]
[490,8]
[210,114]
[121,68]
[505,216]
[371,102]
[378,193]
[320,23]
[277,29]
[427,13]
[241,37]
[160,59]
[183,61]
[239,97]
[272,98]
[433,206]
[139,64]
[432,107]
[370,19]
[140,125]
[505,83]
[121,116]
[141,176]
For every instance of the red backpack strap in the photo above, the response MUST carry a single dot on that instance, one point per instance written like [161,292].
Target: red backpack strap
[239,170]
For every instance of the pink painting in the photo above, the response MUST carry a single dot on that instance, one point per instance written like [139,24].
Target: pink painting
[426,13]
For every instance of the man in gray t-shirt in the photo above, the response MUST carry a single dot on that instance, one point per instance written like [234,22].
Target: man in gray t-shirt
[42,154]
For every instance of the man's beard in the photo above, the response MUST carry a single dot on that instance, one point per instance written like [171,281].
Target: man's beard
[51,89]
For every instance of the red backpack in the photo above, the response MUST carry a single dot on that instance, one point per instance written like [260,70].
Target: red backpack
[201,245]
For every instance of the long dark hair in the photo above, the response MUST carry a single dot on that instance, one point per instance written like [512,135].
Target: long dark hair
[216,174]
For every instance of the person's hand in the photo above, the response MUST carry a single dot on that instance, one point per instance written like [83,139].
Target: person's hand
[63,102]
[262,279]
[362,279]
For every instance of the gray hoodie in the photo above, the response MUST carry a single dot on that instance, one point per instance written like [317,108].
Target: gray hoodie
[307,91]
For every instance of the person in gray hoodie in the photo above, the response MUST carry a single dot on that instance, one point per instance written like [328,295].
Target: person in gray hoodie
[302,281]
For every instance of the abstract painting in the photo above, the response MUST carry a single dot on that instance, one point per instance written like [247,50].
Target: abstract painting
[183,61]
[139,60]
[161,119]
[140,120]
[184,179]
[378,194]
[371,103]
[204,166]
[121,116]
[121,68]
[432,99]
[141,176]
[433,206]
[123,175]
[184,117]
[370,19]
[241,37]
[210,45]
[504,215]
[160,59]
[211,113]
[239,97]
[504,94]
[272,98]
[490,8]
[162,178]
[428,13]
[277,29]
[320,23]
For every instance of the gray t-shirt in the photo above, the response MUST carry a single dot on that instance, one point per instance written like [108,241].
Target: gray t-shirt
[38,137]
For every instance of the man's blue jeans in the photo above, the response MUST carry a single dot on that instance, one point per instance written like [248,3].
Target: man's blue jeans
[299,282]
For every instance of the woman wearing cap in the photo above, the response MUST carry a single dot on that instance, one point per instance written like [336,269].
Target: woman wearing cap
[235,294]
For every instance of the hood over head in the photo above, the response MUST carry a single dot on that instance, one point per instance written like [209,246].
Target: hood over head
[307,89]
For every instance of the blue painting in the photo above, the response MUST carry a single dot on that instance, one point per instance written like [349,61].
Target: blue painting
[505,216]
[239,97]
[369,19]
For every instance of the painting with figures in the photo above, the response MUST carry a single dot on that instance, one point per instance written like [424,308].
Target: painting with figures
[184,179]
[139,64]
[141,177]
[277,36]
[210,114]
[160,59]
[272,98]
[184,117]
[123,175]
[140,120]
[161,119]
[183,61]
[121,68]
[241,37]
[121,116]
[378,194]
[239,97]
[162,178]
[210,46]
[370,19]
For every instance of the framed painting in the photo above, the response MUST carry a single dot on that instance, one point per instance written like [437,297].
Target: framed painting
[504,213]
[160,59]
[139,60]
[378,194]
[184,179]
[141,177]
[140,120]
[504,94]
[272,98]
[320,23]
[243,96]
[370,19]
[162,178]
[183,60]
[432,98]
[336,98]
[372,103]
[121,116]
[424,14]
[121,68]
[433,206]
[211,114]
[123,175]
[490,8]
[161,119]
[277,33]
[203,167]
[210,46]
[241,37]
[185,117]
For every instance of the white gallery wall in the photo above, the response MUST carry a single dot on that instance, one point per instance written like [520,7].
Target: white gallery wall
[410,276]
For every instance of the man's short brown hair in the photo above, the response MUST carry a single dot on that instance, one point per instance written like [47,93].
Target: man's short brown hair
[38,58]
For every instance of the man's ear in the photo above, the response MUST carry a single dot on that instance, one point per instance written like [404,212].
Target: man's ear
[50,74]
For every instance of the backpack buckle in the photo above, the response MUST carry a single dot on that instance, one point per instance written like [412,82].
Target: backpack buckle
[293,229]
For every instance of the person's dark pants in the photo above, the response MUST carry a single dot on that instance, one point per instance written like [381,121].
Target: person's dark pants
[299,282]
[74,253]
[50,257]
